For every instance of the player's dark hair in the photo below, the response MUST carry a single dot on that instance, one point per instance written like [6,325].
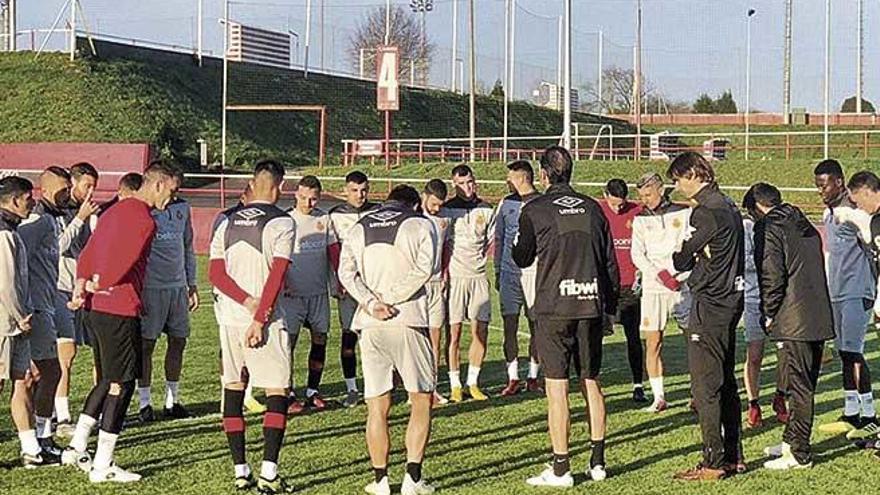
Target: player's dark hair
[462,171]
[57,171]
[83,168]
[864,180]
[356,177]
[617,188]
[557,164]
[436,188]
[829,167]
[691,165]
[405,194]
[161,169]
[310,182]
[524,167]
[132,181]
[762,194]
[14,187]
[272,167]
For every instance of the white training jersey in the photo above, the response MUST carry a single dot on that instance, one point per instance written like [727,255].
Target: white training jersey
[656,234]
[847,241]
[441,231]
[472,230]
[248,239]
[308,274]
[752,291]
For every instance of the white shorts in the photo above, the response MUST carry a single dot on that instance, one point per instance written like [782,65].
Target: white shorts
[165,310]
[347,307]
[469,300]
[754,328]
[407,350]
[15,357]
[517,293]
[267,366]
[436,303]
[851,320]
[311,311]
[656,308]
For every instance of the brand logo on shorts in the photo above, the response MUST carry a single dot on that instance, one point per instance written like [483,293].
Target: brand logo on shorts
[581,290]
[570,205]
[248,217]
[385,218]
[695,337]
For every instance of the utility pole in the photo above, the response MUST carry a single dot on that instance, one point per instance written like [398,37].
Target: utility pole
[454,44]
[566,113]
[861,57]
[308,37]
[599,74]
[199,30]
[72,30]
[473,78]
[637,78]
[786,73]
[506,78]
[321,16]
[748,75]
[826,140]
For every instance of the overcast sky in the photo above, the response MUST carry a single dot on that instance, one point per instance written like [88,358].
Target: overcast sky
[690,46]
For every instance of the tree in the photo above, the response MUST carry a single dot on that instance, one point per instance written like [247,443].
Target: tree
[849,106]
[725,103]
[704,104]
[497,90]
[618,92]
[406,35]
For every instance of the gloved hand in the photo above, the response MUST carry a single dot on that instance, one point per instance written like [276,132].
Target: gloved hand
[669,281]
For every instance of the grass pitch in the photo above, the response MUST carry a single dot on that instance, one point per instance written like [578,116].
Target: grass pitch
[476,448]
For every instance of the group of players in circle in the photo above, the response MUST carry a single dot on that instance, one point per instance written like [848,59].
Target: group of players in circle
[117,275]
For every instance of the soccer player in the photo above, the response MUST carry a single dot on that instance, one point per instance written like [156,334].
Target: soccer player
[305,300]
[433,197]
[129,184]
[109,285]
[852,287]
[577,289]
[657,230]
[387,259]
[621,214]
[343,217]
[471,231]
[76,227]
[516,286]
[16,204]
[250,254]
[715,254]
[40,232]
[170,295]
[790,265]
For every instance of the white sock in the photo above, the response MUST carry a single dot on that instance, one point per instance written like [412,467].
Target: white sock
[637,386]
[84,425]
[473,375]
[455,379]
[867,401]
[29,444]
[351,384]
[657,388]
[513,370]
[62,409]
[172,394]
[144,394]
[850,402]
[44,427]
[269,470]
[534,367]
[309,393]
[242,470]
[104,452]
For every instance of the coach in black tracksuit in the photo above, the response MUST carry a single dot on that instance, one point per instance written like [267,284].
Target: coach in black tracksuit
[797,308]
[577,286]
[715,254]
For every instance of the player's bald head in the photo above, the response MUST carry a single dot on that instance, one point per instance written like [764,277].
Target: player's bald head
[55,185]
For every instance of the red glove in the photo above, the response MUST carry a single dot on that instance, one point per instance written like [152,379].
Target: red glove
[669,281]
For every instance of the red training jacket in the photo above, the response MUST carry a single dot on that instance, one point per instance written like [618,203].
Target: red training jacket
[621,225]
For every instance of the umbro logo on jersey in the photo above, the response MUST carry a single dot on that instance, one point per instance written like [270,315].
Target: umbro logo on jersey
[385,218]
[570,205]
[248,217]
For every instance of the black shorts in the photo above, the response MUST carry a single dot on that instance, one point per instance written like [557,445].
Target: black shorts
[116,345]
[561,343]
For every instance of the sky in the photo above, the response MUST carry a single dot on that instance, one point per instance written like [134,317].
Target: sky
[689,46]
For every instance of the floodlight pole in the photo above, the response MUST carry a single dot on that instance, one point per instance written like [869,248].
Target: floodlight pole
[308,37]
[637,78]
[599,74]
[199,31]
[566,115]
[454,43]
[506,77]
[225,95]
[827,76]
[751,12]
[473,81]
[72,30]
[860,55]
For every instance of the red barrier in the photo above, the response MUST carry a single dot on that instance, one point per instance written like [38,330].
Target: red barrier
[203,220]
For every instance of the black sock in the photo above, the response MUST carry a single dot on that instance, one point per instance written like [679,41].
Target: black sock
[233,423]
[95,400]
[414,470]
[274,423]
[561,464]
[114,408]
[347,354]
[753,402]
[317,355]
[379,473]
[598,456]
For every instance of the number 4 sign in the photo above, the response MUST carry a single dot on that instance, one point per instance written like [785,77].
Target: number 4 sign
[387,86]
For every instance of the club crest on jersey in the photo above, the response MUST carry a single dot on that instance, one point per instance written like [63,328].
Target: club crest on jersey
[481,220]
[248,217]
[319,226]
[384,218]
[570,205]
[180,215]
[676,223]
[629,224]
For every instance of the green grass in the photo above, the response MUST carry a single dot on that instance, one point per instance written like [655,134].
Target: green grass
[476,448]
